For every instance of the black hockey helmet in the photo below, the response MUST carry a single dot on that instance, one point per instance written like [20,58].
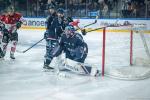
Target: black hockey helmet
[60,10]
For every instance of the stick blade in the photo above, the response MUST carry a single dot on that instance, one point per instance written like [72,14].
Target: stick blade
[19,51]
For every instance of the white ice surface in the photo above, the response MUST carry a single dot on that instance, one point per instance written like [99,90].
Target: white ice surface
[24,79]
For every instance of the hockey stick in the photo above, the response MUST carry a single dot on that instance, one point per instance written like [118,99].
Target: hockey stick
[30,47]
[88,24]
[92,22]
[113,25]
[83,30]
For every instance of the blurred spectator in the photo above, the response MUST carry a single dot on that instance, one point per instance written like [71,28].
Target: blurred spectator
[124,9]
[93,6]
[42,7]
[100,6]
[81,8]
[127,9]
[130,9]
[100,1]
[49,1]
[34,9]
[105,10]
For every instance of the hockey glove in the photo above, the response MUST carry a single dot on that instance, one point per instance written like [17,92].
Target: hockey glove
[18,24]
[46,35]
[83,32]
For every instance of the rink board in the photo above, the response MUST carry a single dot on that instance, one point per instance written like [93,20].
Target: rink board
[39,24]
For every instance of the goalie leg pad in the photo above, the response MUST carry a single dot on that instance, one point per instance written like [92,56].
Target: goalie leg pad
[80,68]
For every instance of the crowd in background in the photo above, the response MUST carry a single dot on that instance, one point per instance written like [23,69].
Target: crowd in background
[84,8]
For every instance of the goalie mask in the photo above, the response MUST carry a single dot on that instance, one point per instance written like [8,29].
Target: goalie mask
[69,31]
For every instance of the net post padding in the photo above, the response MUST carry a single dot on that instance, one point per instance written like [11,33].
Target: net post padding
[132,72]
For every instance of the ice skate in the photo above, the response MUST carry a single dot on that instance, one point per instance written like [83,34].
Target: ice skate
[12,56]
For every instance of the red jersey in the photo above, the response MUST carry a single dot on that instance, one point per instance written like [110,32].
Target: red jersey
[11,20]
[2,18]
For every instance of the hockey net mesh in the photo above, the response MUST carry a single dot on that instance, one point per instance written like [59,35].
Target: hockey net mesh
[118,55]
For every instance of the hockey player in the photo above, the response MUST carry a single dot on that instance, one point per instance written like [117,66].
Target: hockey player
[2,28]
[55,28]
[51,16]
[74,45]
[12,21]
[76,50]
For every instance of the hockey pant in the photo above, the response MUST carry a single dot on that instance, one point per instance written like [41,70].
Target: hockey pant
[13,39]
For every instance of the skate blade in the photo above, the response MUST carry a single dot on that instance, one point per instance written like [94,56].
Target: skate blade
[48,70]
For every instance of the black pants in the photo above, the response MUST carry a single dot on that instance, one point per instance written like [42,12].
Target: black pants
[10,37]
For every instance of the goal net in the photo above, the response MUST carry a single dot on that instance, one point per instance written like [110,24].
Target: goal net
[128,54]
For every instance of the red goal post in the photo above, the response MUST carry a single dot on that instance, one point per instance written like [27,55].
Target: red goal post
[104,44]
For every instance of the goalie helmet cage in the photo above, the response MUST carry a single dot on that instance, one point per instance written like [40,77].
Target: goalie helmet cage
[130,72]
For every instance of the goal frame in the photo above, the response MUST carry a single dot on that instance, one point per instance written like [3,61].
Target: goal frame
[104,46]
